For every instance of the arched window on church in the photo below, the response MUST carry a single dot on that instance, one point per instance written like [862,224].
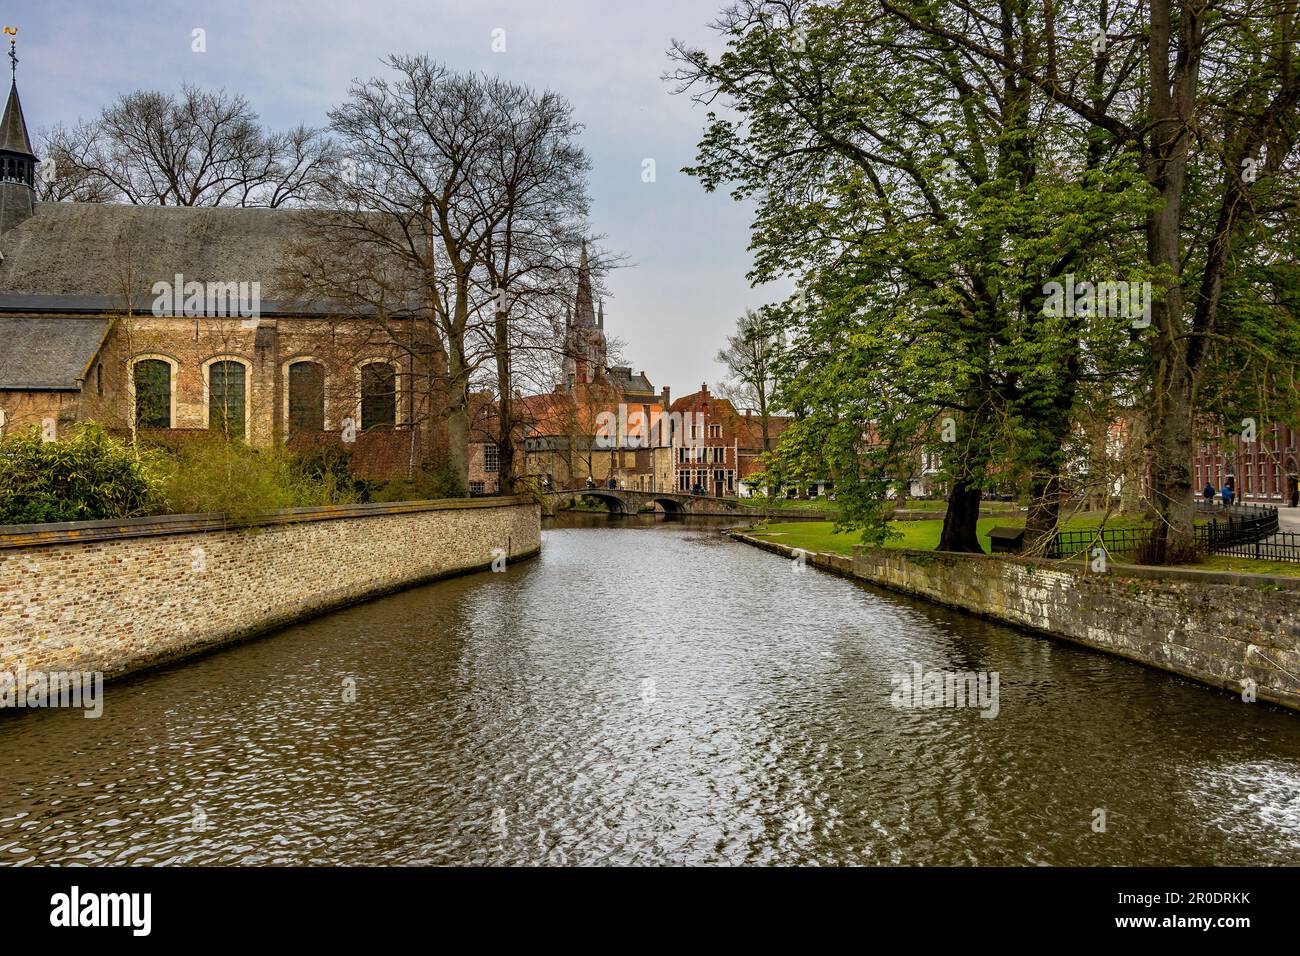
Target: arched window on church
[226,398]
[306,397]
[378,395]
[152,379]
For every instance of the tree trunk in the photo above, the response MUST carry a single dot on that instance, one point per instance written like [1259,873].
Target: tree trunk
[1174,384]
[960,531]
[1044,510]
[458,416]
[1171,466]
[505,408]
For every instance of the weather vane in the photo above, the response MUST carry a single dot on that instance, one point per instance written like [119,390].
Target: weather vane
[13,54]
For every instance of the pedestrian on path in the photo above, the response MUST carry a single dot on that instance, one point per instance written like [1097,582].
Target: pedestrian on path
[1227,495]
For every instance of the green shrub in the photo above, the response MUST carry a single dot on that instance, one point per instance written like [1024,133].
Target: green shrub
[230,478]
[329,468]
[429,483]
[84,476]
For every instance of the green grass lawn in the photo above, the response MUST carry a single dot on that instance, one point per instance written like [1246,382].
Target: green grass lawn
[920,535]
[924,536]
[811,504]
[925,504]
[1247,566]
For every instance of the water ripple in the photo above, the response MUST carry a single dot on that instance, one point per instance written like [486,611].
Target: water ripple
[648,694]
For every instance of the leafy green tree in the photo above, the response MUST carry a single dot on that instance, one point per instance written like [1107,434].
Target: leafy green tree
[1205,93]
[923,208]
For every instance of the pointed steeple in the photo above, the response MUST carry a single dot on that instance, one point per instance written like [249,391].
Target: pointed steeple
[13,128]
[600,315]
[17,160]
[584,312]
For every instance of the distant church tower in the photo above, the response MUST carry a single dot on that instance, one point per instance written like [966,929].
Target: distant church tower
[17,161]
[584,333]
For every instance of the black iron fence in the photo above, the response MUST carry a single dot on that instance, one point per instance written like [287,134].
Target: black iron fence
[1281,546]
[1115,541]
[1248,531]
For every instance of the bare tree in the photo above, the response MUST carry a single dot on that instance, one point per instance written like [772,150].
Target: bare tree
[198,148]
[751,356]
[67,177]
[451,188]
[534,189]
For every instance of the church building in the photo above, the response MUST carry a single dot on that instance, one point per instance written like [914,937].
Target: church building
[175,321]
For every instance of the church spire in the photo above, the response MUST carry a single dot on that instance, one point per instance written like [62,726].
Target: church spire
[13,128]
[584,307]
[17,160]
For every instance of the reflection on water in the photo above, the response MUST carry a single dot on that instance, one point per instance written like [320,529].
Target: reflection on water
[649,692]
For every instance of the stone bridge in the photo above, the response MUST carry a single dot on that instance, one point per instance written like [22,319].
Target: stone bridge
[623,502]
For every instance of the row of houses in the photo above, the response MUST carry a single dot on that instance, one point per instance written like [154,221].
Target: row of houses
[609,426]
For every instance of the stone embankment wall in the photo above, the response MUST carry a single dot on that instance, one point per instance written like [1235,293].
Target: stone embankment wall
[1219,628]
[118,596]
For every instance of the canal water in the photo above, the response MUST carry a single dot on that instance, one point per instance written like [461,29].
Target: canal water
[649,692]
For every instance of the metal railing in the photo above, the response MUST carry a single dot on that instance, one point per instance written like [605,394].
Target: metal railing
[1281,546]
[1240,530]
[1115,541]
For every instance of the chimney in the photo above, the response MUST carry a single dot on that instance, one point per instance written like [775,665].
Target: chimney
[667,399]
[518,394]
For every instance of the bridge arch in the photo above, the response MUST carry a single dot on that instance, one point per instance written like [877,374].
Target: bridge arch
[617,503]
[671,506]
[621,501]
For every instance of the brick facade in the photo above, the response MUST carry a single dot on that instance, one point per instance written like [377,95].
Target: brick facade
[189,348]
[1263,470]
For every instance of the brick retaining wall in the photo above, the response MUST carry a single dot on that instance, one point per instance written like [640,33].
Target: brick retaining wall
[121,596]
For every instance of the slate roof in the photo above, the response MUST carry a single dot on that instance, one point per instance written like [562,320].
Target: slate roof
[621,377]
[81,249]
[47,353]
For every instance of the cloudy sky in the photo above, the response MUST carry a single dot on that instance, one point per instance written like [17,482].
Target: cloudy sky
[684,283]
